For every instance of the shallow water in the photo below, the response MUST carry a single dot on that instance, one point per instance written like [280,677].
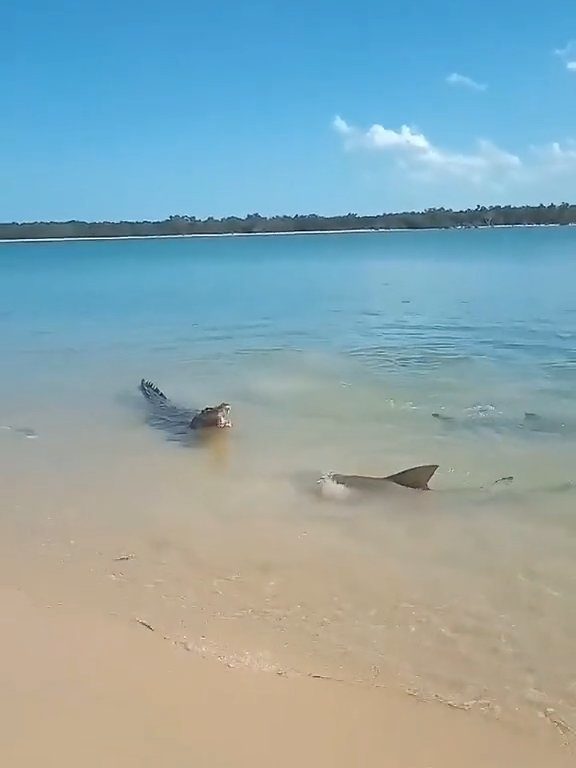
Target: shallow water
[334,351]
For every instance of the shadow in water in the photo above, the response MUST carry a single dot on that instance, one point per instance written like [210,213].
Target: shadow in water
[173,421]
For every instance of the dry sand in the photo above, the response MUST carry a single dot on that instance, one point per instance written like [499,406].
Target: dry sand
[86,691]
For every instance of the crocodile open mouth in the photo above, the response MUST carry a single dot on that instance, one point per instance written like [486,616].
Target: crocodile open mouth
[214,416]
[224,420]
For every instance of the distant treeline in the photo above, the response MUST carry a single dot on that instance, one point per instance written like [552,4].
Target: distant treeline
[436,218]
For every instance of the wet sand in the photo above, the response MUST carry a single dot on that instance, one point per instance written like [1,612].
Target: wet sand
[78,689]
[461,603]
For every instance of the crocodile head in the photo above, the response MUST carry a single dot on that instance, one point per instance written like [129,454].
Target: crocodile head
[217,416]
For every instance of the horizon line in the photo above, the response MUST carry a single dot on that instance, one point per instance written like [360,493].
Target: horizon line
[352,214]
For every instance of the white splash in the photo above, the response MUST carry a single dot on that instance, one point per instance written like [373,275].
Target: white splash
[330,489]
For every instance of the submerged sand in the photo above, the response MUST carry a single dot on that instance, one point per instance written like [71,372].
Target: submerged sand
[283,631]
[85,690]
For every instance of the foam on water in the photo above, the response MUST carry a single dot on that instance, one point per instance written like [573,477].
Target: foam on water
[330,489]
[466,593]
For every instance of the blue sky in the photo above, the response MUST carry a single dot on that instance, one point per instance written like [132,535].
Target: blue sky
[144,109]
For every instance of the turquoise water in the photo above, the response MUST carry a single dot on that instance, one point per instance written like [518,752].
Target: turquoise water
[422,297]
[334,351]
[355,330]
[397,303]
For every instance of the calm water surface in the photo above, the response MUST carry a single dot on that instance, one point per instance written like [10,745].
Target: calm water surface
[334,351]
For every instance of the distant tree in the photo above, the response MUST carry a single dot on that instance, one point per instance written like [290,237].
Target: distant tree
[438,218]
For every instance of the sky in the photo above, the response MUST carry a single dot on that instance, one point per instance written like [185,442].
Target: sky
[141,110]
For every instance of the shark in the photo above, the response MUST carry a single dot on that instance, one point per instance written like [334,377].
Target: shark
[412,479]
[529,422]
[415,478]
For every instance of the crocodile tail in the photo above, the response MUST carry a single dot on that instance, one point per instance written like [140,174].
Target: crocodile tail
[151,392]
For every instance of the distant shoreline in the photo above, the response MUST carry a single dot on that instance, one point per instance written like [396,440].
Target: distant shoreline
[253,224]
[361,231]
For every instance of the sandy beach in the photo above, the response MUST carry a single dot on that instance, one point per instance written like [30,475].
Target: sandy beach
[79,689]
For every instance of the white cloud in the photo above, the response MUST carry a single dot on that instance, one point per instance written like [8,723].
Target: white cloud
[423,173]
[341,126]
[413,151]
[568,55]
[466,82]
[382,138]
[378,137]
[555,156]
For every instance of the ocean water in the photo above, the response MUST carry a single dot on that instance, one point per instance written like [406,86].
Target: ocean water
[334,351]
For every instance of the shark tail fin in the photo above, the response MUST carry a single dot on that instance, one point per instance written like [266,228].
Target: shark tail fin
[151,391]
[416,477]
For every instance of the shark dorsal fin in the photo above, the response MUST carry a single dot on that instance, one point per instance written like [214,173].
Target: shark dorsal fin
[416,477]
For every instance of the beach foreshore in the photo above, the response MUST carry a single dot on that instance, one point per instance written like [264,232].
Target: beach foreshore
[90,690]
[361,231]
[208,235]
